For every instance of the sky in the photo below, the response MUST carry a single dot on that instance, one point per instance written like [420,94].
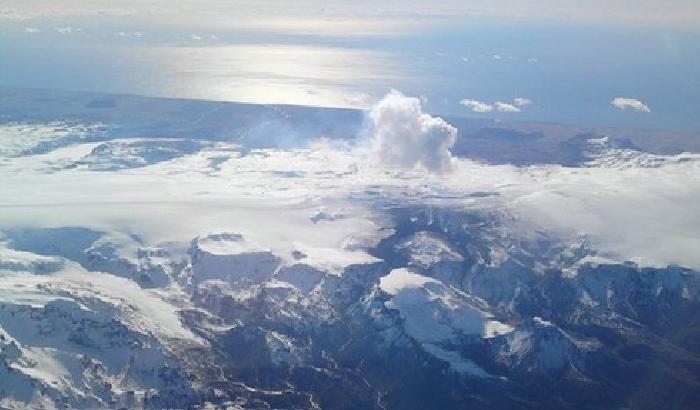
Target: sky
[620,63]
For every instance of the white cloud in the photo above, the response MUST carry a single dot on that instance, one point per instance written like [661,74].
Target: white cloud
[134,34]
[532,60]
[480,106]
[477,106]
[633,103]
[359,99]
[68,30]
[506,107]
[629,211]
[521,102]
[200,37]
[497,57]
[404,136]
[31,30]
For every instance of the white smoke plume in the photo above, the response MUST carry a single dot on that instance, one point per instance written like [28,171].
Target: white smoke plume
[404,136]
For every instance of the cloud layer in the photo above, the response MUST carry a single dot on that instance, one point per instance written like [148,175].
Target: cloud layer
[477,106]
[482,107]
[632,103]
[521,102]
[506,107]
[404,136]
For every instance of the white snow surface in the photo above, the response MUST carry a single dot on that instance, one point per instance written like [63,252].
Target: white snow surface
[436,316]
[433,312]
[228,244]
[402,279]
[82,336]
[427,250]
[144,310]
[456,362]
[26,138]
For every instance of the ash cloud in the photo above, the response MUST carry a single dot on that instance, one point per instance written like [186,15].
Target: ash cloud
[404,136]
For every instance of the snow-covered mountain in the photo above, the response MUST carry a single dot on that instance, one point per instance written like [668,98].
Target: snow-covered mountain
[197,270]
